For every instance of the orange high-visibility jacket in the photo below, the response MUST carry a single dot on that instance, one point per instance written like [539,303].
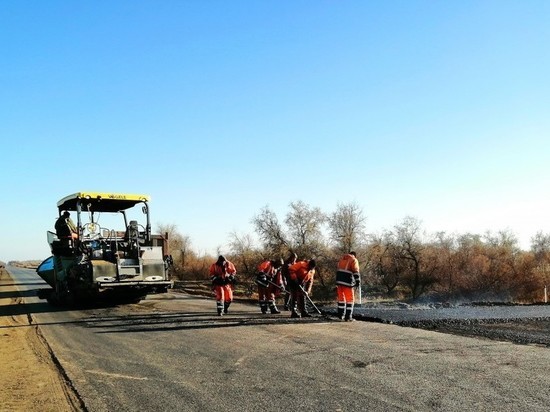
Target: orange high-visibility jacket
[299,272]
[267,268]
[347,273]
[228,268]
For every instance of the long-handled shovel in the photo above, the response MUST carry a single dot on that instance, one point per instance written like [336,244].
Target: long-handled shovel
[309,300]
[281,288]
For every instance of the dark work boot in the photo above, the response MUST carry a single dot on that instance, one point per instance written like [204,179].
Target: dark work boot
[349,310]
[263,306]
[348,317]
[303,310]
[273,308]
[219,307]
[295,314]
[341,310]
[226,307]
[287,302]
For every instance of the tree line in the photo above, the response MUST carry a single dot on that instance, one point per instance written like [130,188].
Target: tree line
[402,262]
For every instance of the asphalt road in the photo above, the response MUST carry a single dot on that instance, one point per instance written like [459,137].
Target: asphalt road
[171,353]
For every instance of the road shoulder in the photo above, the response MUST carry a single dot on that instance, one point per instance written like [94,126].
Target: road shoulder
[30,379]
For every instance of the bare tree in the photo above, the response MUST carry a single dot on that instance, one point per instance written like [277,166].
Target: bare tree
[420,264]
[347,226]
[305,228]
[501,252]
[446,247]
[170,231]
[246,256]
[540,247]
[179,247]
[267,226]
[385,263]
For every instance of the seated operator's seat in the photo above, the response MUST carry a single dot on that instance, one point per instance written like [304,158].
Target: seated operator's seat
[132,237]
[132,231]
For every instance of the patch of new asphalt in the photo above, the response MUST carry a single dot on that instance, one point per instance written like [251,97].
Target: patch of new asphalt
[522,324]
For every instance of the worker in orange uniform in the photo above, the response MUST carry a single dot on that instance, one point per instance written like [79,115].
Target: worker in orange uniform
[300,282]
[285,272]
[222,274]
[270,283]
[347,279]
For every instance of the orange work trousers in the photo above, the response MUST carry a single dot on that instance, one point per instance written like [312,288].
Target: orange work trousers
[224,293]
[345,294]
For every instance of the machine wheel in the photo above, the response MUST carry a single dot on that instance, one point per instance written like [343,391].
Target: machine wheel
[53,299]
[44,293]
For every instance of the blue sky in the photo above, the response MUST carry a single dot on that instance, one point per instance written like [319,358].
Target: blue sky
[432,109]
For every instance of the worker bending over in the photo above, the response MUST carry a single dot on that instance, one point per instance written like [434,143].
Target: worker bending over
[300,283]
[270,284]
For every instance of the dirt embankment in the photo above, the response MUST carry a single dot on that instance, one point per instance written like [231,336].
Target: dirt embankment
[29,377]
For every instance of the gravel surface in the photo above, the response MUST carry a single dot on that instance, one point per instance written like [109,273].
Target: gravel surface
[522,324]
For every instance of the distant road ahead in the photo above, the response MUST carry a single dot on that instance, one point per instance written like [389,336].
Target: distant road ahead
[171,353]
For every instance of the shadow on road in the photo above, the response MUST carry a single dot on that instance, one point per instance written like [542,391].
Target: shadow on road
[15,294]
[20,308]
[194,321]
[43,284]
